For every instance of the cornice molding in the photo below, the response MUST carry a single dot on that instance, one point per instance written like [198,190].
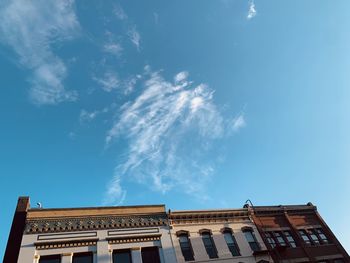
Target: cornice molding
[65,244]
[193,217]
[121,240]
[42,225]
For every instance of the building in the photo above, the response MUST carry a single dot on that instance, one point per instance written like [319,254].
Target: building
[89,235]
[297,233]
[147,234]
[217,236]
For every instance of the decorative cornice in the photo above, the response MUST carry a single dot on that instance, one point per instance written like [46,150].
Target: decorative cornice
[65,244]
[219,216]
[120,240]
[34,226]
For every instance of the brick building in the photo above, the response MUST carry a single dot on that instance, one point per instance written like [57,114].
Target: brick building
[297,233]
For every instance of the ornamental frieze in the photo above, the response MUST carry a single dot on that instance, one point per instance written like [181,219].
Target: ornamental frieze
[34,226]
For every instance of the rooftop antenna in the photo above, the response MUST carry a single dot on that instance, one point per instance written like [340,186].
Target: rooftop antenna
[39,205]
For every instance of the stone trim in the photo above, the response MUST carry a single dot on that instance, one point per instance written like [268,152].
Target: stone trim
[92,223]
[65,244]
[193,217]
[182,232]
[122,240]
[205,230]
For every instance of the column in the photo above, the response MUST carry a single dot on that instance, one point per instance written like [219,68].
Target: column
[136,255]
[161,255]
[67,257]
[221,246]
[104,255]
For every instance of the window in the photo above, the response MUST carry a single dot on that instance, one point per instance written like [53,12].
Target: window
[249,235]
[290,239]
[270,239]
[186,248]
[122,256]
[322,236]
[305,237]
[150,255]
[279,239]
[314,237]
[231,243]
[209,245]
[50,259]
[83,258]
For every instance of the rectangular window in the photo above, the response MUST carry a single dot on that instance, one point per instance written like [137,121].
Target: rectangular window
[209,245]
[322,236]
[270,239]
[50,259]
[249,235]
[150,255]
[314,237]
[122,256]
[231,243]
[290,239]
[279,239]
[305,237]
[83,258]
[186,248]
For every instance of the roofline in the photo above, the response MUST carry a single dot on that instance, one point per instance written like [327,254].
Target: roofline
[93,207]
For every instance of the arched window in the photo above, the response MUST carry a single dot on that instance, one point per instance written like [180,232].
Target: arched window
[209,244]
[231,241]
[185,245]
[251,239]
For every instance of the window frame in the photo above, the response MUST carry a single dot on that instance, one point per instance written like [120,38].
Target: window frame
[48,257]
[116,251]
[254,245]
[210,247]
[234,248]
[188,248]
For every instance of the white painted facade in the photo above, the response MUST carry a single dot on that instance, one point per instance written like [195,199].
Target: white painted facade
[200,220]
[102,251]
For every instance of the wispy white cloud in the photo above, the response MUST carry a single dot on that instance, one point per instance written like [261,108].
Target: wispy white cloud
[119,12]
[30,28]
[134,36]
[238,123]
[252,11]
[113,48]
[115,193]
[169,128]
[109,81]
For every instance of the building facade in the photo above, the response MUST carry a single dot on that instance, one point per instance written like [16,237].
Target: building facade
[216,236]
[297,233]
[148,234]
[137,234]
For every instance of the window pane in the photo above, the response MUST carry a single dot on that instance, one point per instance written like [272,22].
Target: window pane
[122,256]
[251,240]
[209,246]
[150,255]
[279,239]
[83,258]
[314,237]
[50,259]
[270,239]
[290,239]
[304,236]
[322,236]
[232,244]
[186,248]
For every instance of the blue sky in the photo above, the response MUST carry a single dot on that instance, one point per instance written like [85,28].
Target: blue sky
[195,104]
